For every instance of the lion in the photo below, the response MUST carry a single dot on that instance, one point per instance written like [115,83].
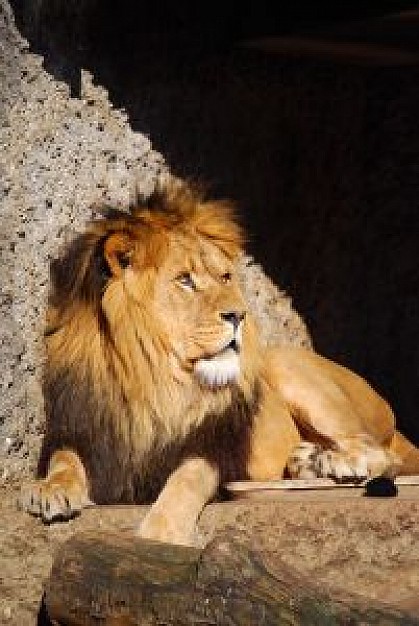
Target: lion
[157,389]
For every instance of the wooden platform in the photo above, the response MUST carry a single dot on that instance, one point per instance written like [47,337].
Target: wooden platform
[407,487]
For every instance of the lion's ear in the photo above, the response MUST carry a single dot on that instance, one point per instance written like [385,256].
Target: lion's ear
[118,249]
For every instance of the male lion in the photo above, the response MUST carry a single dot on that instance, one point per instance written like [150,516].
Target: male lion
[156,385]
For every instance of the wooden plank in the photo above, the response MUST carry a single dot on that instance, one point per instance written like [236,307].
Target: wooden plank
[116,579]
[317,495]
[314,489]
[313,483]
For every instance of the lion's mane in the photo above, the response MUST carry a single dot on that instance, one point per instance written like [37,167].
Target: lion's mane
[109,388]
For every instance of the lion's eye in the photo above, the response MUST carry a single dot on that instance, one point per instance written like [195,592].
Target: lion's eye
[186,281]
[226,278]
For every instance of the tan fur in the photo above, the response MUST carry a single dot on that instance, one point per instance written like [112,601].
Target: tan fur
[156,386]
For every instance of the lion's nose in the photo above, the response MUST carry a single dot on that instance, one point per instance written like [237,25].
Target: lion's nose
[234,317]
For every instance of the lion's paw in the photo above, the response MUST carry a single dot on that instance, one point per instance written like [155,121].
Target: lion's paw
[53,501]
[302,462]
[354,464]
[341,467]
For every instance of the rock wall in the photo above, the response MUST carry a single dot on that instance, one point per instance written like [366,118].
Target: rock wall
[60,157]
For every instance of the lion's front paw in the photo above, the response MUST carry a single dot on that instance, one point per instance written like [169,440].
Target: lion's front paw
[53,500]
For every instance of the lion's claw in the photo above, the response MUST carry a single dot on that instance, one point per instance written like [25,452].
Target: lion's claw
[52,501]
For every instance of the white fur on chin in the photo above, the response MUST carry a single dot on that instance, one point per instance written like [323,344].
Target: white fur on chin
[219,370]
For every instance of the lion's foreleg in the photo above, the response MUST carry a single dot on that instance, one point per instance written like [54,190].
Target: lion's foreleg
[64,491]
[174,515]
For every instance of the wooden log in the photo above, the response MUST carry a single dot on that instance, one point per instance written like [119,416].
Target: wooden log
[115,580]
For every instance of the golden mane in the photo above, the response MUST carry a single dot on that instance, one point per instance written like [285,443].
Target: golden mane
[90,379]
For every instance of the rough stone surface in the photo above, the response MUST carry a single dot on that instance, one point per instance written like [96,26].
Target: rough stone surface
[279,323]
[360,546]
[60,157]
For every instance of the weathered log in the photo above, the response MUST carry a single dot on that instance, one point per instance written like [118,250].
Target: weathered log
[115,580]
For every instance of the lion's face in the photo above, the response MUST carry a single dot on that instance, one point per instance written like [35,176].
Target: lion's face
[164,280]
[198,302]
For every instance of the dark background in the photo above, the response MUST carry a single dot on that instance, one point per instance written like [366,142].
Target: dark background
[319,146]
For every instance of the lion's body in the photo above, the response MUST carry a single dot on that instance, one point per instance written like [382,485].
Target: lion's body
[156,383]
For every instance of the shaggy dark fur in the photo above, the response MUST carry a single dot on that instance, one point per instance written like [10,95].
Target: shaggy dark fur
[114,474]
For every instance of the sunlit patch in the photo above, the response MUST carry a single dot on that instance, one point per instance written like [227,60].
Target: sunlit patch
[219,370]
